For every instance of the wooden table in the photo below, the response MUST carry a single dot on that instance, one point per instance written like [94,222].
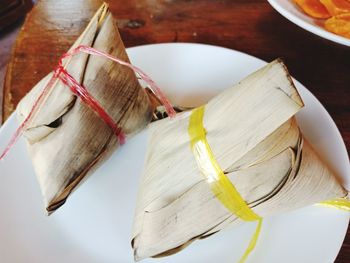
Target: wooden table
[251,26]
[13,10]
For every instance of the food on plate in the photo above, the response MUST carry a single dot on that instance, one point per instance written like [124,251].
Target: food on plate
[313,8]
[339,25]
[337,7]
[241,157]
[333,14]
[66,139]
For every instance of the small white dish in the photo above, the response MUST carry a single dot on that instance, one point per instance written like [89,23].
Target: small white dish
[95,224]
[290,10]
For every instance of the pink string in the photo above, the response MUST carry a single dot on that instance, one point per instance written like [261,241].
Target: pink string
[85,96]
[89,50]
[24,124]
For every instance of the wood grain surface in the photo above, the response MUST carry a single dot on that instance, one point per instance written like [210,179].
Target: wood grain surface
[250,26]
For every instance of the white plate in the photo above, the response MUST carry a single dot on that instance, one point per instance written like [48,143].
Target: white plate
[290,10]
[95,224]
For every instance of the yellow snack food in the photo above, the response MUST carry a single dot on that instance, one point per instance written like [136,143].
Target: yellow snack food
[339,25]
[337,7]
[313,8]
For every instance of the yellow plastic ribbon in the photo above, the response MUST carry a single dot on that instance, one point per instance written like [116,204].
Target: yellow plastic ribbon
[339,203]
[252,242]
[221,186]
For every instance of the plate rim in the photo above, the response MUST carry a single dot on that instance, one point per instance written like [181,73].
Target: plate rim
[307,25]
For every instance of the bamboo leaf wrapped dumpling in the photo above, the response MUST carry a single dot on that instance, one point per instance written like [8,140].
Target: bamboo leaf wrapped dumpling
[257,144]
[66,139]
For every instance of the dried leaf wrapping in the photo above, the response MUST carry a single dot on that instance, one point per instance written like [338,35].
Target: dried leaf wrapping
[66,139]
[257,143]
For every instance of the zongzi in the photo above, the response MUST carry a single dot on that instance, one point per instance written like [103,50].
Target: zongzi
[66,140]
[251,132]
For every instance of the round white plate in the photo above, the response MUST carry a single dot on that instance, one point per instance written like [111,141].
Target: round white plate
[95,224]
[290,10]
